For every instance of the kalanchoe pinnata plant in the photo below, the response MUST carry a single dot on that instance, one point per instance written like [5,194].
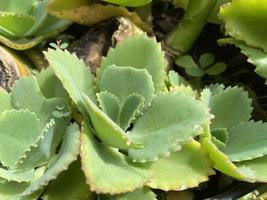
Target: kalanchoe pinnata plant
[145,131]
[25,23]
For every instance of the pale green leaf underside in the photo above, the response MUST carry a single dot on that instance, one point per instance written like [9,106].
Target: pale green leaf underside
[139,52]
[68,153]
[106,130]
[129,3]
[17,176]
[114,173]
[5,101]
[15,24]
[124,81]
[130,110]
[109,104]
[33,100]
[172,119]
[246,141]
[16,139]
[181,170]
[255,56]
[245,20]
[69,185]
[74,75]
[230,106]
[140,194]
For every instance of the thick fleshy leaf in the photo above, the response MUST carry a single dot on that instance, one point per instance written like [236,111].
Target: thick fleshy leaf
[124,81]
[131,108]
[230,106]
[69,185]
[106,130]
[50,85]
[19,130]
[21,43]
[256,169]
[33,100]
[173,119]
[181,170]
[5,101]
[9,190]
[109,104]
[17,176]
[68,153]
[186,62]
[219,137]
[88,12]
[255,56]
[129,3]
[74,75]
[114,173]
[220,160]
[246,141]
[141,194]
[15,24]
[245,20]
[41,152]
[140,52]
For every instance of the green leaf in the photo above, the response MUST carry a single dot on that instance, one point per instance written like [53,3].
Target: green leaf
[245,20]
[69,185]
[14,24]
[129,3]
[220,134]
[216,69]
[50,85]
[246,141]
[5,101]
[114,173]
[17,176]
[9,190]
[21,43]
[16,140]
[33,100]
[186,62]
[220,160]
[124,81]
[256,168]
[139,52]
[195,72]
[130,110]
[182,169]
[41,152]
[67,154]
[144,194]
[255,56]
[206,60]
[106,130]
[109,104]
[173,119]
[89,13]
[230,106]
[22,6]
[174,78]
[74,75]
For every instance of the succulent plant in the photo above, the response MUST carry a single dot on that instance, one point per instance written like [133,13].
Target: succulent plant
[25,23]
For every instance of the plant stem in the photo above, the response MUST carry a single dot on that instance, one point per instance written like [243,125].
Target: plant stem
[183,36]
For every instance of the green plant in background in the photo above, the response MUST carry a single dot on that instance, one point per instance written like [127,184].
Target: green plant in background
[25,23]
[247,29]
[206,65]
